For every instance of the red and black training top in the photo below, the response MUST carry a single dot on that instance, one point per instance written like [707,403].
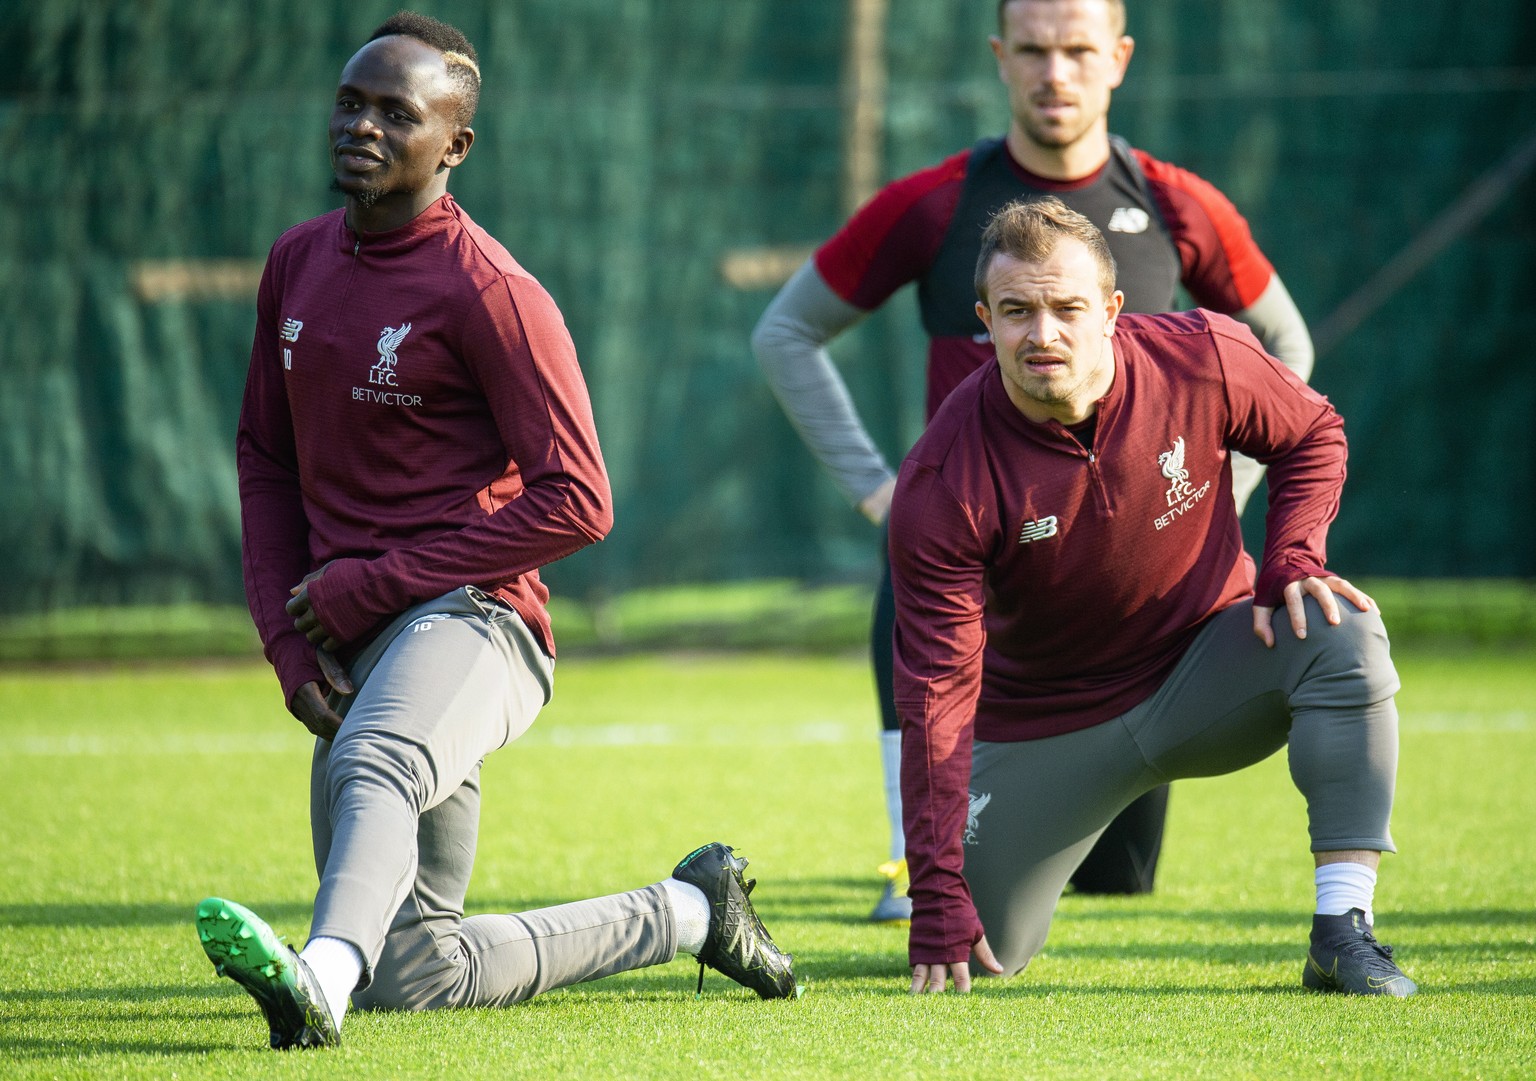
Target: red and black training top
[1164,225]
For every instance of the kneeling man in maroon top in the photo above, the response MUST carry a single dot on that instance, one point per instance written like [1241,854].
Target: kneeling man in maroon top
[1077,620]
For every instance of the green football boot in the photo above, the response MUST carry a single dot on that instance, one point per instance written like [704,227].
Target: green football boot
[242,947]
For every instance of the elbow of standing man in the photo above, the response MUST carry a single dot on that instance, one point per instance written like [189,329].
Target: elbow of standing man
[790,344]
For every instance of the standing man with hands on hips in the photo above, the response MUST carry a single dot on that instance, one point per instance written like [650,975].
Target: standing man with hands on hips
[1077,621]
[415,443]
[1060,60]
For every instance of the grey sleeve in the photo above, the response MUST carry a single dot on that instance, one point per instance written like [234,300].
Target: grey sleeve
[1277,323]
[790,343]
[1281,330]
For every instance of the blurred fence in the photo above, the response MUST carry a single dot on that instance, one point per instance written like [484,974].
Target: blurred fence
[658,164]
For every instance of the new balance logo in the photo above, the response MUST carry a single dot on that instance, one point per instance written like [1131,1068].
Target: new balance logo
[1039,529]
[290,331]
[1129,219]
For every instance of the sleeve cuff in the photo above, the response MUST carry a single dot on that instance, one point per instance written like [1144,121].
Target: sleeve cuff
[1269,590]
[927,947]
[293,658]
[335,597]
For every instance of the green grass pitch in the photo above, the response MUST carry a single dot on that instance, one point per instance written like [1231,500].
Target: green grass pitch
[126,796]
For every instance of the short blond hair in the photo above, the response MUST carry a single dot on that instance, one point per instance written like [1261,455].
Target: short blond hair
[1030,229]
[1116,15]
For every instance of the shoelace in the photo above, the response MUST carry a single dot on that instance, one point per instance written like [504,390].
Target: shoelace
[1380,948]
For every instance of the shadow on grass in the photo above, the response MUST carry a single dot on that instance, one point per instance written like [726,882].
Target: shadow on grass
[843,901]
[667,986]
[1133,908]
[154,914]
[803,900]
[874,962]
[1020,987]
[130,1008]
[24,1049]
[153,993]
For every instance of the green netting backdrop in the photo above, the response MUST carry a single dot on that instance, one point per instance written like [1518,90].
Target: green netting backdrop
[626,147]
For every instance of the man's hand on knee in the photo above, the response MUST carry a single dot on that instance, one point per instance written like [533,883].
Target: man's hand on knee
[934,979]
[1320,589]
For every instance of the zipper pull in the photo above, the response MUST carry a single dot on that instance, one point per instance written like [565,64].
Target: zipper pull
[357,246]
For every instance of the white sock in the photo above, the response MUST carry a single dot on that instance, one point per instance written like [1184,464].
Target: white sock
[690,909]
[1343,886]
[890,763]
[337,965]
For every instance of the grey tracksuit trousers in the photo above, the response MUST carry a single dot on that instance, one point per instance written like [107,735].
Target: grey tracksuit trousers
[1038,806]
[394,810]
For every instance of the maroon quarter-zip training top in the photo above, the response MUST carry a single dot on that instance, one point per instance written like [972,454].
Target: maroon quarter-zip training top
[1043,587]
[414,420]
